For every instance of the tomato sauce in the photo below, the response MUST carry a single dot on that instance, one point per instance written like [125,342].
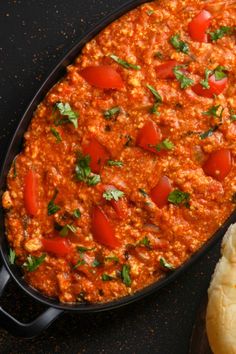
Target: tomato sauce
[128,165]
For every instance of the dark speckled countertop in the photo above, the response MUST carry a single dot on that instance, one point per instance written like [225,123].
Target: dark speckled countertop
[34,35]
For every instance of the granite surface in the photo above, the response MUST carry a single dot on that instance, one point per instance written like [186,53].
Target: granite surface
[34,35]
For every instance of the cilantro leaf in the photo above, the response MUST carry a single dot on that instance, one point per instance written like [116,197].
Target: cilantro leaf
[77,213]
[52,207]
[66,111]
[115,194]
[96,263]
[125,275]
[219,72]
[124,63]
[83,171]
[12,256]
[112,259]
[111,112]
[181,77]
[157,96]
[115,163]
[33,263]
[178,44]
[214,112]
[106,277]
[220,32]
[165,264]
[178,197]
[144,242]
[165,145]
[205,82]
[56,134]
[232,115]
[65,229]
[142,191]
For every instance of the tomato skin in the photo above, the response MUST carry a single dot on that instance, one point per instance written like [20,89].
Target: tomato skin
[103,76]
[58,245]
[198,26]
[148,135]
[165,70]
[102,230]
[31,193]
[161,191]
[218,164]
[98,154]
[216,87]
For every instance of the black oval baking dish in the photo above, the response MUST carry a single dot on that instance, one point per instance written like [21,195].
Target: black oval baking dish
[8,271]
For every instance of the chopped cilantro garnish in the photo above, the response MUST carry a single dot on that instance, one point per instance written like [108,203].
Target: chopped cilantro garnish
[125,275]
[150,12]
[178,44]
[79,263]
[52,207]
[12,256]
[220,32]
[205,83]
[83,171]
[115,163]
[112,259]
[232,115]
[144,242]
[65,229]
[106,277]
[56,134]
[96,263]
[33,263]
[158,55]
[124,63]
[111,112]
[219,72]
[76,213]
[83,249]
[209,132]
[115,194]
[165,145]
[165,264]
[66,111]
[142,191]
[181,77]
[178,197]
[214,112]
[155,93]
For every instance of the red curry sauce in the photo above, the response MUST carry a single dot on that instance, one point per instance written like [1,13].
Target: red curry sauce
[128,165]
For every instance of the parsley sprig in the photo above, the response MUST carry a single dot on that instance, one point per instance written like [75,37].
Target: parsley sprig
[124,63]
[209,132]
[215,111]
[158,99]
[115,163]
[66,228]
[56,134]
[166,144]
[83,171]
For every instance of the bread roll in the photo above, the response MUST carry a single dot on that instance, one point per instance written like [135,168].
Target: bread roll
[221,309]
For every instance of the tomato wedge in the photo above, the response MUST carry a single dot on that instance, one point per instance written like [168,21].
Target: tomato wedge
[161,191]
[59,246]
[149,136]
[216,87]
[218,164]
[198,26]
[103,76]
[31,193]
[98,154]
[165,70]
[102,230]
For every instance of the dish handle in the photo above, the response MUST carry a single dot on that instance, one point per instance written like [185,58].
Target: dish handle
[19,329]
